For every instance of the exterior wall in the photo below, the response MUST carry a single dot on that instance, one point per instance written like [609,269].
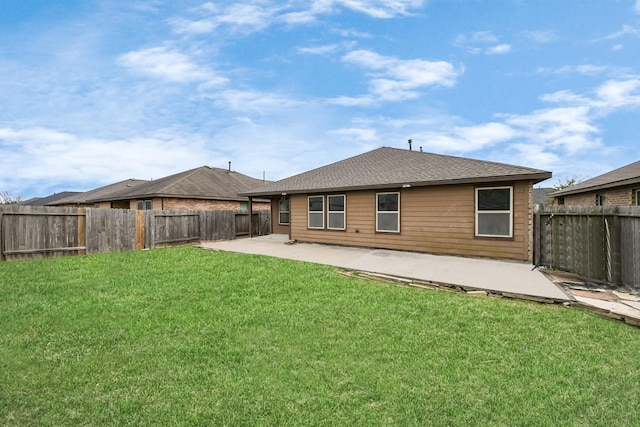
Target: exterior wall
[190,204]
[275,215]
[623,196]
[586,199]
[439,220]
[155,202]
[201,204]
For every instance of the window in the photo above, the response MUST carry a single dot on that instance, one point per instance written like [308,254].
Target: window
[244,206]
[336,212]
[316,212]
[283,212]
[388,212]
[145,205]
[494,212]
[637,197]
[601,200]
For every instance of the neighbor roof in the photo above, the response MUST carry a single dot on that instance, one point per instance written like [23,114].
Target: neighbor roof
[48,200]
[391,167]
[200,183]
[626,175]
[89,196]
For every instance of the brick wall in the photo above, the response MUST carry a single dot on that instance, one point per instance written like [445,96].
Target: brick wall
[613,197]
[619,197]
[587,199]
[200,204]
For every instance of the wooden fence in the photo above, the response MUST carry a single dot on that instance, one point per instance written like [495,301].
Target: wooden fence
[36,232]
[597,242]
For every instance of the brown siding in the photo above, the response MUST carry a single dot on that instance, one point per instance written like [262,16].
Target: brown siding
[438,220]
[275,227]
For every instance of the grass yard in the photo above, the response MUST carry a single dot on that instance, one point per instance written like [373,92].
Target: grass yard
[184,336]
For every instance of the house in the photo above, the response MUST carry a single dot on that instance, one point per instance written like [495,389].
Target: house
[203,188]
[85,199]
[48,200]
[409,200]
[620,187]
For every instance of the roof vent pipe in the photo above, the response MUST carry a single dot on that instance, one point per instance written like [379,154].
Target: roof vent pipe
[421,148]
[229,166]
[409,145]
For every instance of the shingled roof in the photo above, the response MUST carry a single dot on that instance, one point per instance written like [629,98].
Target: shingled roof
[97,193]
[626,175]
[387,167]
[200,183]
[48,200]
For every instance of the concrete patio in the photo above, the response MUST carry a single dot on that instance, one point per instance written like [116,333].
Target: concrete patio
[471,273]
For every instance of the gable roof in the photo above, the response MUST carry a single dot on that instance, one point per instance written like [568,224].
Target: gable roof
[48,200]
[626,175]
[387,167]
[200,183]
[89,196]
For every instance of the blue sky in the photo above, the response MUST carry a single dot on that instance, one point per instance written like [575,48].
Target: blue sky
[97,91]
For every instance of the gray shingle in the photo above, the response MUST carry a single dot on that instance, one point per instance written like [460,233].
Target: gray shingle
[202,182]
[626,175]
[387,167]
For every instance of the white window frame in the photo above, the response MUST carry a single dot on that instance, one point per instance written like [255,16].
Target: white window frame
[387,212]
[510,212]
[309,212]
[280,211]
[343,212]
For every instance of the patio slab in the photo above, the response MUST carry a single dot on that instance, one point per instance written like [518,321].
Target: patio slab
[490,275]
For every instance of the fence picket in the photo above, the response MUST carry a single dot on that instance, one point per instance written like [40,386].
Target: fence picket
[596,242]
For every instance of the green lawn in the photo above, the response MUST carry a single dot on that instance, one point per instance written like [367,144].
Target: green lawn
[184,336]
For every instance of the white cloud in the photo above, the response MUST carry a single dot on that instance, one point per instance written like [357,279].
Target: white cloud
[393,79]
[585,69]
[46,158]
[499,49]
[361,134]
[166,64]
[481,42]
[325,49]
[380,8]
[255,15]
[627,30]
[540,36]
[618,93]
[637,6]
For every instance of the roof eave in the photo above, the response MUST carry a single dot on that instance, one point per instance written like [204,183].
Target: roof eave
[623,183]
[535,177]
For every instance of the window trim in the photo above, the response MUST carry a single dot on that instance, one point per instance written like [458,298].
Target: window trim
[315,212]
[378,230]
[343,212]
[510,212]
[147,204]
[280,211]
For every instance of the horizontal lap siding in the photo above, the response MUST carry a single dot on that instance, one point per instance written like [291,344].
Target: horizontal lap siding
[433,219]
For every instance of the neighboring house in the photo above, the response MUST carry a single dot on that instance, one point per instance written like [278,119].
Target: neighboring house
[86,198]
[47,201]
[203,188]
[620,187]
[409,200]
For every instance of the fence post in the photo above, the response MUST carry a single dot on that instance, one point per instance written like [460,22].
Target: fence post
[139,230]
[82,238]
[1,237]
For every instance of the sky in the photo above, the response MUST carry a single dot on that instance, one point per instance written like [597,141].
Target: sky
[93,92]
